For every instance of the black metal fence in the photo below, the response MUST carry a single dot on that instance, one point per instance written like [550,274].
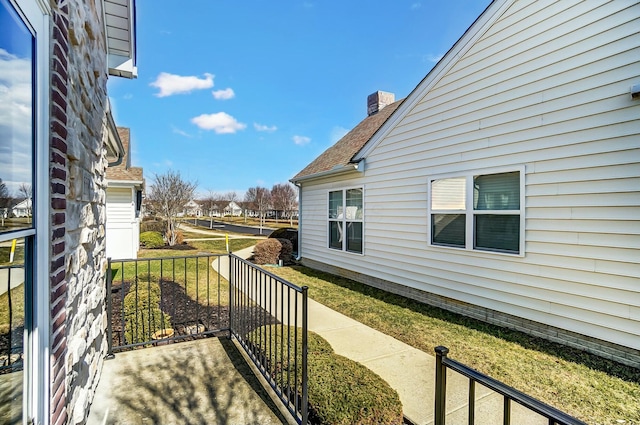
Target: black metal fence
[509,394]
[269,319]
[12,312]
[160,300]
[155,301]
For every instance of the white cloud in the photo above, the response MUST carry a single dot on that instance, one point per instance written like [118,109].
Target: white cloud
[337,133]
[170,84]
[433,58]
[166,163]
[221,123]
[15,120]
[225,94]
[266,128]
[416,5]
[127,96]
[176,130]
[301,140]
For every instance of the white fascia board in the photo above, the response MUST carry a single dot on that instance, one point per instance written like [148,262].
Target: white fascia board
[462,46]
[122,66]
[124,183]
[332,172]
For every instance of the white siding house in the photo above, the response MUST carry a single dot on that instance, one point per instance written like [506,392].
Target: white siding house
[506,186]
[124,196]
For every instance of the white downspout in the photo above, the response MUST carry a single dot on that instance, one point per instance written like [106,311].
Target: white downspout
[299,256]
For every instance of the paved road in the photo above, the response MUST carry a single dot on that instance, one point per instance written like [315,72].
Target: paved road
[236,228]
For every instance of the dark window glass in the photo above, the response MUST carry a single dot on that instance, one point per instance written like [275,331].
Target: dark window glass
[16,121]
[12,326]
[497,232]
[16,206]
[335,234]
[354,204]
[448,229]
[497,191]
[335,204]
[354,237]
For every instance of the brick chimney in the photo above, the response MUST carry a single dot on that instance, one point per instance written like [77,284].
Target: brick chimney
[378,100]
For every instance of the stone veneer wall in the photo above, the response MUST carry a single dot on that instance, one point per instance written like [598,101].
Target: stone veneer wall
[77,167]
[624,355]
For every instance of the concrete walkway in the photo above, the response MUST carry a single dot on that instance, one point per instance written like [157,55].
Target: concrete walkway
[411,372]
[206,381]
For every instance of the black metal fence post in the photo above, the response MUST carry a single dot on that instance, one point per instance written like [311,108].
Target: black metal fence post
[441,386]
[109,312]
[232,324]
[305,349]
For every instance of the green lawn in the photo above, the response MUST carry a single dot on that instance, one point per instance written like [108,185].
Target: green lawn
[591,388]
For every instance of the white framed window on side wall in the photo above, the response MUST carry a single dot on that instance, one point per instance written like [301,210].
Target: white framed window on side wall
[346,219]
[481,210]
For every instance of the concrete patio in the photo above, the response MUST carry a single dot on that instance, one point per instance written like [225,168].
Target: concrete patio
[200,382]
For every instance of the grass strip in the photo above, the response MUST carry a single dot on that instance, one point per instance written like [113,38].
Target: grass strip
[591,388]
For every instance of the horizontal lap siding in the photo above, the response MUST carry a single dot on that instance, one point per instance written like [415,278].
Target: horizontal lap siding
[119,207]
[550,93]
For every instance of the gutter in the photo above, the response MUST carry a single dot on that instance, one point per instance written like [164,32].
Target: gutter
[338,169]
[114,144]
[299,253]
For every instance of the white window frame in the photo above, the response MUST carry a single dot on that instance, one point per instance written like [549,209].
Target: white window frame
[343,221]
[469,212]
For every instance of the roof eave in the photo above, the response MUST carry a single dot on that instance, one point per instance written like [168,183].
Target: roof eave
[343,169]
[120,25]
[123,183]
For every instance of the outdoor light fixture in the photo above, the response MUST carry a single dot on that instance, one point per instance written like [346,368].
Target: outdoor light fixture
[635,92]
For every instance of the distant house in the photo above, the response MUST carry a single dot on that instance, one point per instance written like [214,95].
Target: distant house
[233,209]
[192,208]
[506,186]
[125,186]
[22,209]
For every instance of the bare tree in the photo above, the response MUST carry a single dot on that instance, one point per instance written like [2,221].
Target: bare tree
[283,198]
[259,199]
[5,202]
[169,192]
[25,192]
[210,205]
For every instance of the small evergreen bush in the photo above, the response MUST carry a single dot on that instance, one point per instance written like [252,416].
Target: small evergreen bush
[344,392]
[142,312]
[151,240]
[341,391]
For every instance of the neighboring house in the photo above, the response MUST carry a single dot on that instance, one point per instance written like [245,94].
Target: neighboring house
[22,209]
[61,53]
[125,186]
[506,186]
[192,208]
[233,209]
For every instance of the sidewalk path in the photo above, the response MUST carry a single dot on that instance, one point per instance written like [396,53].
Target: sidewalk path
[411,372]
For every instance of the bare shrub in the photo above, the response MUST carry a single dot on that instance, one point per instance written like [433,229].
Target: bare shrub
[267,251]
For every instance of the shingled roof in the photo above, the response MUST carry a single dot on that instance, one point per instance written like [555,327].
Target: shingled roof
[124,171]
[342,152]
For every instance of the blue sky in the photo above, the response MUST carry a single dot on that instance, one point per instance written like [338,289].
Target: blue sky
[239,94]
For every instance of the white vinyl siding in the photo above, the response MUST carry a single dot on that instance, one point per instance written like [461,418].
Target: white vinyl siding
[123,227]
[547,86]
